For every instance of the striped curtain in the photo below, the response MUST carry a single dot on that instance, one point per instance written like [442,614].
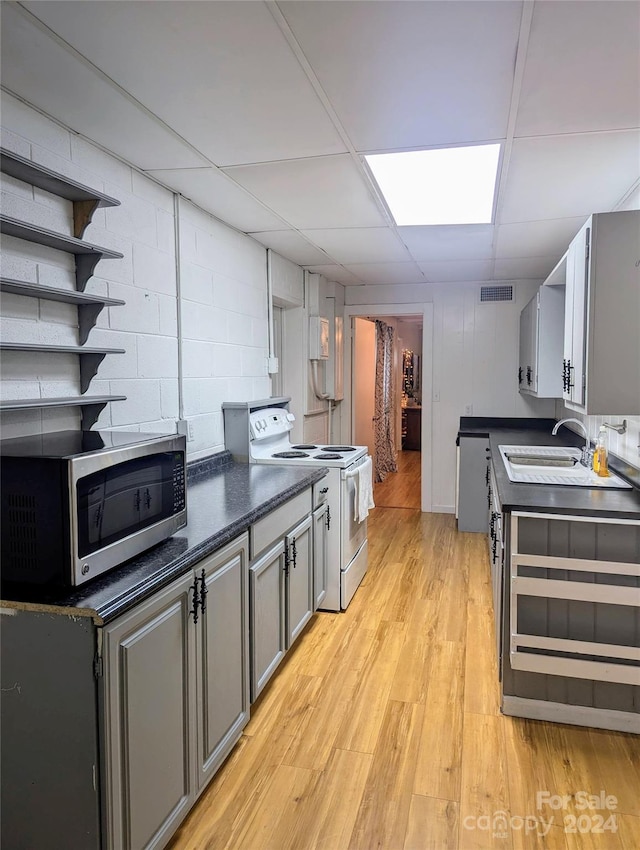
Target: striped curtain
[384,420]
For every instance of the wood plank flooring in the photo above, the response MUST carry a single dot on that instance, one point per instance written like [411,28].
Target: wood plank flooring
[401,489]
[382,727]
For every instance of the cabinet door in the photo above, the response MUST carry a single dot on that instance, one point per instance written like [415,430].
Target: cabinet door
[266,616]
[577,295]
[222,655]
[472,485]
[321,524]
[149,711]
[299,547]
[523,350]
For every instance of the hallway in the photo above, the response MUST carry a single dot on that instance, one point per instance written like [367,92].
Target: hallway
[401,489]
[382,727]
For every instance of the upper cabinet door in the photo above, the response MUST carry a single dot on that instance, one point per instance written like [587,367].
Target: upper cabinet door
[577,299]
[602,327]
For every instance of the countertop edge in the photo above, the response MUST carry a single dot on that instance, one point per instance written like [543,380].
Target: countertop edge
[141,590]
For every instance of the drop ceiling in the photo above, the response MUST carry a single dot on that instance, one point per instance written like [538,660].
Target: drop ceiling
[261,113]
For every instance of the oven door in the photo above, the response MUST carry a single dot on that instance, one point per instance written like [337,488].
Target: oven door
[354,533]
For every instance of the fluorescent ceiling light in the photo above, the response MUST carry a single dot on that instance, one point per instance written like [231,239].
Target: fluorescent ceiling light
[438,186]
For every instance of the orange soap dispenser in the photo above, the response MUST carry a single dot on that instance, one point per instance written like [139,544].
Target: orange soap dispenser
[600,455]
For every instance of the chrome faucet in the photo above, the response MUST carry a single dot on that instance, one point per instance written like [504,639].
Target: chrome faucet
[586,451]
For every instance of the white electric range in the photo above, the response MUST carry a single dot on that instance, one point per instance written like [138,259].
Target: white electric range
[269,443]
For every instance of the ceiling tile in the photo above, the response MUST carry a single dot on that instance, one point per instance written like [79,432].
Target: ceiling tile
[291,245]
[380,273]
[337,273]
[525,268]
[568,176]
[548,238]
[360,244]
[221,74]
[582,69]
[444,272]
[216,193]
[412,74]
[323,192]
[39,70]
[459,242]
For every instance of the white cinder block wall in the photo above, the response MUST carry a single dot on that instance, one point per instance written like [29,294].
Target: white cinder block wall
[222,277]
[223,285]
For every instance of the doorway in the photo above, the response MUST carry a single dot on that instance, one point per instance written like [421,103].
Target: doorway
[410,486]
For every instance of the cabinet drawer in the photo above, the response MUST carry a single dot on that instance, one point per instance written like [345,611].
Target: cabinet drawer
[276,524]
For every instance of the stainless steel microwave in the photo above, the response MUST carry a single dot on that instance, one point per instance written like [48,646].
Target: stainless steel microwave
[77,503]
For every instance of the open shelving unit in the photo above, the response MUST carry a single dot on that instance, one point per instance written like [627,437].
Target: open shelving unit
[85,201]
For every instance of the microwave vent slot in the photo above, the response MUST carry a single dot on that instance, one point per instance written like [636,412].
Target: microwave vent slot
[21,531]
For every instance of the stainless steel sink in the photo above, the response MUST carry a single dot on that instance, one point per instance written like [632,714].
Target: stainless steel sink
[553,465]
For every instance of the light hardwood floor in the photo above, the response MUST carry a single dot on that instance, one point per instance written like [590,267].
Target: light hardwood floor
[401,489]
[382,727]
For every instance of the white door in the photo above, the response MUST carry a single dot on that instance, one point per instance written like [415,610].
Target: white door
[364,382]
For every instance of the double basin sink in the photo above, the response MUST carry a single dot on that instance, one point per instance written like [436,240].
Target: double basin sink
[553,465]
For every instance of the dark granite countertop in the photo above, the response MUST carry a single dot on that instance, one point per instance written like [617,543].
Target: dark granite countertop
[223,499]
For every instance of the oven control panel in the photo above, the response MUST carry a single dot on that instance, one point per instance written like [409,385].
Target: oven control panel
[270,422]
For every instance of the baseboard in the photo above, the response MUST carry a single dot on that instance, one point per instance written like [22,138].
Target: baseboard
[575,715]
[443,509]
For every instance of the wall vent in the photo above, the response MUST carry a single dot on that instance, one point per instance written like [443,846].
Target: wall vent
[496,293]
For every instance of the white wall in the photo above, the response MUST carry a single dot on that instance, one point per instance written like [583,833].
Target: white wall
[223,285]
[223,308]
[474,362]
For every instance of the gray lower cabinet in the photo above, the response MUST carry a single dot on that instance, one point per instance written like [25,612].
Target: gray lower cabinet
[149,714]
[472,484]
[321,520]
[571,620]
[175,698]
[299,575]
[268,618]
[281,585]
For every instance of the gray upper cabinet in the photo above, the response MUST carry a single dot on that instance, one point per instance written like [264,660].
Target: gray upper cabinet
[175,697]
[149,678]
[601,274]
[541,344]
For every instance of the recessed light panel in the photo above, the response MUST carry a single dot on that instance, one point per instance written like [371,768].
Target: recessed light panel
[440,185]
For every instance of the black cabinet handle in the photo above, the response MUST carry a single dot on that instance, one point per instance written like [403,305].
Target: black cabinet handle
[489,497]
[203,592]
[286,559]
[529,375]
[486,476]
[294,552]
[328,518]
[196,600]
[519,375]
[324,490]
